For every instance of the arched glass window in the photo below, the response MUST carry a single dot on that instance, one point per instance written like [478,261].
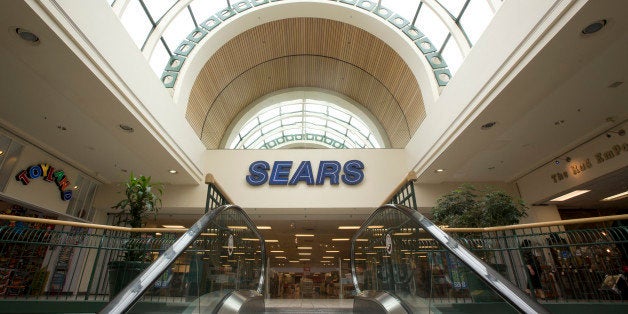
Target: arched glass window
[311,119]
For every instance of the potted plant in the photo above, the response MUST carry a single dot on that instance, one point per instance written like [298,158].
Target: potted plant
[468,207]
[142,198]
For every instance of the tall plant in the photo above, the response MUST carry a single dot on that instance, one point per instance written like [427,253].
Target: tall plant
[468,207]
[142,199]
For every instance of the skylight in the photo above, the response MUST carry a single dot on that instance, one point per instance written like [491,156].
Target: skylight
[310,119]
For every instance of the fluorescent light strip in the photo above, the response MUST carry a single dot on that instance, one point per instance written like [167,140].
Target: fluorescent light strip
[277,251]
[569,195]
[341,239]
[304,247]
[332,251]
[616,197]
[173,226]
[348,227]
[305,253]
[237,227]
[264,228]
[304,259]
[375,227]
[328,257]
[271,241]
[303,235]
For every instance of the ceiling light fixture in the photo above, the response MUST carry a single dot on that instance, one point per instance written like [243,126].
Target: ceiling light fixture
[304,248]
[375,227]
[616,197]
[173,226]
[328,257]
[440,170]
[271,241]
[593,27]
[303,235]
[305,253]
[332,251]
[569,195]
[340,239]
[172,171]
[126,128]
[27,35]
[237,227]
[264,228]
[277,251]
[348,227]
[1,152]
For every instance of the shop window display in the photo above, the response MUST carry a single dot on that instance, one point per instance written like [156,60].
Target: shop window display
[21,271]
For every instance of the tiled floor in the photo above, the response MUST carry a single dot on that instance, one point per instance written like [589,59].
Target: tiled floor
[309,306]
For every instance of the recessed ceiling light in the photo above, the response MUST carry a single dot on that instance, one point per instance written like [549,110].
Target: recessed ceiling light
[328,257]
[172,171]
[569,195]
[593,27]
[27,35]
[1,152]
[304,248]
[348,227]
[277,251]
[126,128]
[488,125]
[304,259]
[264,228]
[271,241]
[303,235]
[440,170]
[173,226]
[375,227]
[76,187]
[294,261]
[305,253]
[616,197]
[340,239]
[332,251]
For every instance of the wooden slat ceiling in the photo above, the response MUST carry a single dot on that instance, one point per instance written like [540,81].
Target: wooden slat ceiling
[305,52]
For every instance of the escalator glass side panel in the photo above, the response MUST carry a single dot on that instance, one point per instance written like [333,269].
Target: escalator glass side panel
[399,251]
[228,254]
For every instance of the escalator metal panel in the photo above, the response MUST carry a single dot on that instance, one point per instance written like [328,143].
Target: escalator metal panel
[377,302]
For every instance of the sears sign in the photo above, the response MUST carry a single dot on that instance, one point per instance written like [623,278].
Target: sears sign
[350,173]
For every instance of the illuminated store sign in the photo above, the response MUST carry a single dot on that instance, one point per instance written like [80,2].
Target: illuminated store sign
[48,173]
[351,173]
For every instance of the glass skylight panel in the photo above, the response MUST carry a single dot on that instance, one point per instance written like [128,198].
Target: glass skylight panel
[203,9]
[291,120]
[271,127]
[405,8]
[339,114]
[248,127]
[314,130]
[159,58]
[431,25]
[267,115]
[136,22]
[475,19]
[315,107]
[257,134]
[337,127]
[293,131]
[315,121]
[373,141]
[453,6]
[356,139]
[157,8]
[335,137]
[178,29]
[291,108]
[360,126]
[452,56]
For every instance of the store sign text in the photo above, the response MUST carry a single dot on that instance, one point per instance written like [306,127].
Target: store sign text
[47,173]
[351,173]
[579,167]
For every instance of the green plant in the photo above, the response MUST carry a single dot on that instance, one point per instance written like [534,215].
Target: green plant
[142,198]
[468,207]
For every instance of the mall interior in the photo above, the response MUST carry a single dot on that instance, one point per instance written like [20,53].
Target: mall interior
[367,102]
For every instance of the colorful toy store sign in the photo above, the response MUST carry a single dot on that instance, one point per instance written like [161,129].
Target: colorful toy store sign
[351,173]
[47,173]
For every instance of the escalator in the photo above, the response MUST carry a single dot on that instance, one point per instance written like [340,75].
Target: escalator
[401,263]
[222,257]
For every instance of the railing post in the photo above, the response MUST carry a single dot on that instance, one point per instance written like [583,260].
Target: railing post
[91,277]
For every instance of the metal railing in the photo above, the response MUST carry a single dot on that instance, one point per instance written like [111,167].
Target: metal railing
[574,261]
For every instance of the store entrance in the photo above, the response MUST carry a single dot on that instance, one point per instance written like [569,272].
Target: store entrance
[321,283]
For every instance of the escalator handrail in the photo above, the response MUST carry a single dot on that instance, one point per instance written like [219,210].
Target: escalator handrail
[134,290]
[510,292]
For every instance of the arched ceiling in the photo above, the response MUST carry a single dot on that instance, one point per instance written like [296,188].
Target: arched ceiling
[305,52]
